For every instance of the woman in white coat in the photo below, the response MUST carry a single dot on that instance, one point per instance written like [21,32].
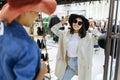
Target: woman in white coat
[75,49]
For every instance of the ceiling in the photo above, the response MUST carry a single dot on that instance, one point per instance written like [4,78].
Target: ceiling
[74,1]
[2,2]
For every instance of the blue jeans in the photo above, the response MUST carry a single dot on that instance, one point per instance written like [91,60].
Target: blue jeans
[72,68]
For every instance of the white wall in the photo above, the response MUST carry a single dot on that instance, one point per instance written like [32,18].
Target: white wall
[97,10]
[94,10]
[67,9]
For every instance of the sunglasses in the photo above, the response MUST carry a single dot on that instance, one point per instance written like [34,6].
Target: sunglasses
[78,22]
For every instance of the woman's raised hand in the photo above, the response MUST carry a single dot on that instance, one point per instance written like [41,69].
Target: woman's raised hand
[65,19]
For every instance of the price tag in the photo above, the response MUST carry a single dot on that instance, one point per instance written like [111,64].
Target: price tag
[1,28]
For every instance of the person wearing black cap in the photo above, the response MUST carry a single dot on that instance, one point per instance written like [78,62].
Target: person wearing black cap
[75,49]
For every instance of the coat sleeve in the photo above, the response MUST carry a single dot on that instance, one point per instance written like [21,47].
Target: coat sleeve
[89,57]
[28,65]
[90,50]
[95,32]
[56,31]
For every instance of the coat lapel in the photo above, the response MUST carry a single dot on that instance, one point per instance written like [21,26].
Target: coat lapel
[67,36]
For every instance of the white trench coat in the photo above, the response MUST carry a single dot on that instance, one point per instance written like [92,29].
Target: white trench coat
[84,51]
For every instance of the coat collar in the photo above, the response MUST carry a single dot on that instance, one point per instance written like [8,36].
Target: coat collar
[68,35]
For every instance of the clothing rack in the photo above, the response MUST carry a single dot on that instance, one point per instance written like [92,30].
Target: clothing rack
[46,56]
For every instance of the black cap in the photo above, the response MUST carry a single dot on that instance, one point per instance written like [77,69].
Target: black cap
[74,16]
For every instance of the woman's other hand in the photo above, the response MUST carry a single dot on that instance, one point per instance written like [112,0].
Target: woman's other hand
[43,71]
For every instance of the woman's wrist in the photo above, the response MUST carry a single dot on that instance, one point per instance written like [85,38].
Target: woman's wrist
[40,76]
[62,22]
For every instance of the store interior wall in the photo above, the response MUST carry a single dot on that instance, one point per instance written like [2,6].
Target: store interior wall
[95,10]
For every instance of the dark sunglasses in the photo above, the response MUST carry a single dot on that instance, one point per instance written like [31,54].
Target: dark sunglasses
[79,22]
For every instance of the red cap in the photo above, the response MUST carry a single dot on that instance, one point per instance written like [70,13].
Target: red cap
[14,8]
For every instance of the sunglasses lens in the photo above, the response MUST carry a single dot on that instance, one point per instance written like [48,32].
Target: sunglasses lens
[74,21]
[80,23]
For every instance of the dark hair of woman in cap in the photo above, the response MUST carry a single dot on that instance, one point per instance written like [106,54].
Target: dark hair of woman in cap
[84,24]
[82,31]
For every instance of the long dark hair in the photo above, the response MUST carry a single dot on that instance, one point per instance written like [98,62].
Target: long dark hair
[2,2]
[82,31]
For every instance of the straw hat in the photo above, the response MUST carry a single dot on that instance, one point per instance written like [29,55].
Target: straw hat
[14,8]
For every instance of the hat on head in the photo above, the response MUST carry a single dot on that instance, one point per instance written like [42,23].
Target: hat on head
[74,16]
[14,8]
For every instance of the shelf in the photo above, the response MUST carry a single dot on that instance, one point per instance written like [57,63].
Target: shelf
[47,48]
[37,35]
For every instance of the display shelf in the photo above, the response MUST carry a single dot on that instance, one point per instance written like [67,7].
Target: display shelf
[42,37]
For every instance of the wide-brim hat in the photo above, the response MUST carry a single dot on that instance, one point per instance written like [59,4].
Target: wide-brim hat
[74,16]
[14,8]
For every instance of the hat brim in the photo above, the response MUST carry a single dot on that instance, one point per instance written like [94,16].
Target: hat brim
[45,6]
